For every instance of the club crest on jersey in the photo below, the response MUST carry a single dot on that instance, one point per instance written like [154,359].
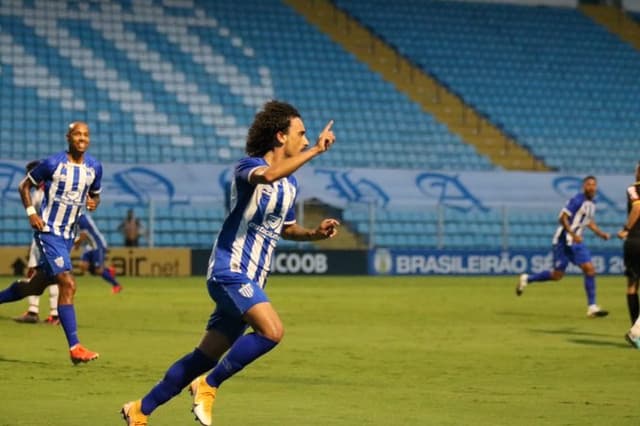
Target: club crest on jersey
[273,221]
[59,261]
[246,290]
[91,174]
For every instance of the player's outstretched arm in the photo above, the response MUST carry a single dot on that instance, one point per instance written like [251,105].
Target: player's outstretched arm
[328,228]
[326,138]
[600,233]
[289,165]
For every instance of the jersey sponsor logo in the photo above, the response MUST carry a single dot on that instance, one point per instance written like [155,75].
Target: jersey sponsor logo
[246,290]
[71,198]
[264,231]
[59,261]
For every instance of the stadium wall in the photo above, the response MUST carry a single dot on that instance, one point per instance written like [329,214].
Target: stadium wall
[136,262]
[475,262]
[180,262]
[170,185]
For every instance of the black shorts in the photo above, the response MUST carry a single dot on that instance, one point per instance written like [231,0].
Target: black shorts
[632,258]
[131,243]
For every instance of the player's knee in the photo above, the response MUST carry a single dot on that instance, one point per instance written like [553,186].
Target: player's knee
[557,275]
[274,333]
[67,285]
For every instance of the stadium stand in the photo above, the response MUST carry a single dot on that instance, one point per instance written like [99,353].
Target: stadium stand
[562,85]
[179,81]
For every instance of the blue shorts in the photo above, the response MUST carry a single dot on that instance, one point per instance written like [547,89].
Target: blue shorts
[232,301]
[54,250]
[95,258]
[577,254]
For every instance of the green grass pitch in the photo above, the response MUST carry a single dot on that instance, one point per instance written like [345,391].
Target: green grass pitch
[357,351]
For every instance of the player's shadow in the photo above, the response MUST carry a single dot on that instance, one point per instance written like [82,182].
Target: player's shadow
[3,317]
[570,331]
[529,314]
[21,361]
[588,338]
[591,342]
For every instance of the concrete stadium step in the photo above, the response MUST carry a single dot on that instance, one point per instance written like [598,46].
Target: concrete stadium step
[434,98]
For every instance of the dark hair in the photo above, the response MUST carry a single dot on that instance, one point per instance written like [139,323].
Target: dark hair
[31,165]
[274,117]
[590,177]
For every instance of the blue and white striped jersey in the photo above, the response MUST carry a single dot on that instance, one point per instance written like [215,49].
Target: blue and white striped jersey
[581,212]
[95,240]
[66,188]
[244,247]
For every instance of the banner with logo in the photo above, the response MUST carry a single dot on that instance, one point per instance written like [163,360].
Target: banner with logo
[176,184]
[302,262]
[150,262]
[491,262]
[131,262]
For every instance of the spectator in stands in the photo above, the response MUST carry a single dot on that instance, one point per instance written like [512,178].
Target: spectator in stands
[263,209]
[577,215]
[72,182]
[132,229]
[32,316]
[95,251]
[630,233]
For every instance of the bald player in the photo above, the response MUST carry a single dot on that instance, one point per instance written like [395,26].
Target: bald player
[72,181]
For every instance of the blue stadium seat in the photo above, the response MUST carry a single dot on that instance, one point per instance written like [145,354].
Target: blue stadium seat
[583,92]
[153,95]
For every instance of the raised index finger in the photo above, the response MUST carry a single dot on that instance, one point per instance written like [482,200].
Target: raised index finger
[328,126]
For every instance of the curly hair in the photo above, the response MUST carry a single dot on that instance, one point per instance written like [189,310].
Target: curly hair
[274,117]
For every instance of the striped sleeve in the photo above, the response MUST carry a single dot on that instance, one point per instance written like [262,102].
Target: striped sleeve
[96,185]
[246,166]
[43,171]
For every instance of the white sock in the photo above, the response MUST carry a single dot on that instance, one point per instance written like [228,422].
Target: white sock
[53,300]
[34,304]
[635,328]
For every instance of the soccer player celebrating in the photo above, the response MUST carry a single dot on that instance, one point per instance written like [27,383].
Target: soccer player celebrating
[263,197]
[568,246]
[631,236]
[72,181]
